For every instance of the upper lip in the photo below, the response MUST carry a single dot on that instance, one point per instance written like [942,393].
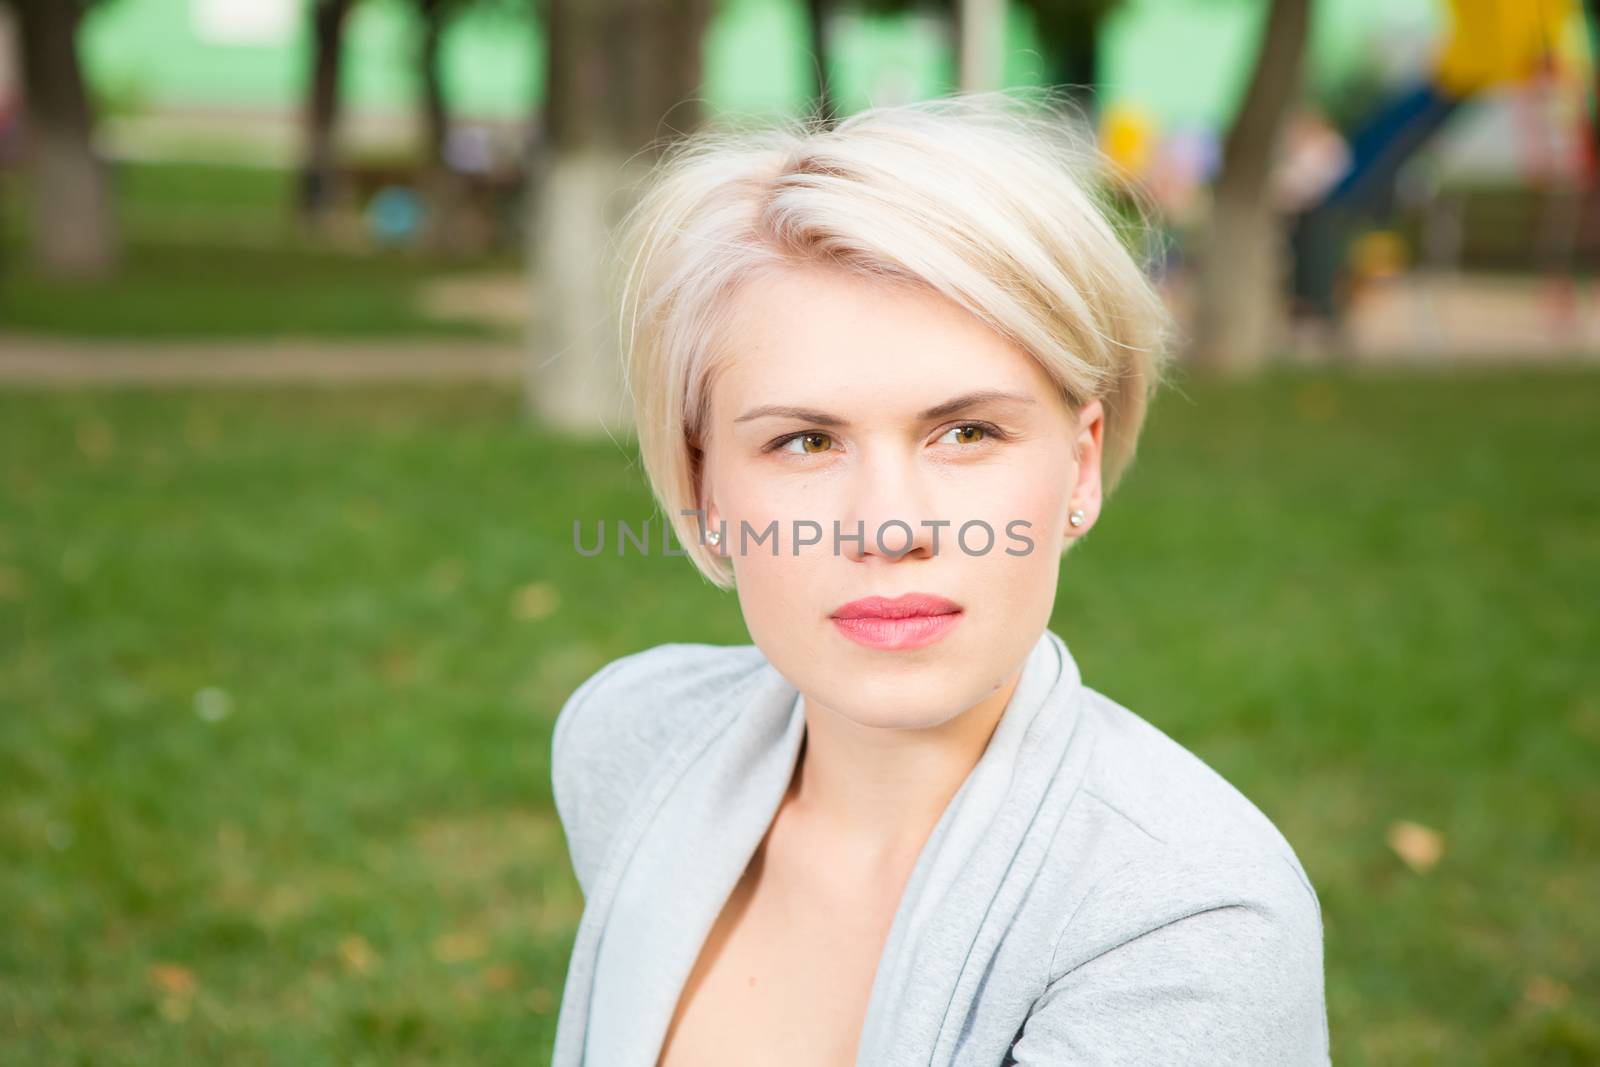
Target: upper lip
[901,607]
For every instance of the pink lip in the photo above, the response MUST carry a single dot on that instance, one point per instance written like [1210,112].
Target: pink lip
[909,621]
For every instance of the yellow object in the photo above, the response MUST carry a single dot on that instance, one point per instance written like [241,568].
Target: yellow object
[1127,135]
[1495,41]
[1378,254]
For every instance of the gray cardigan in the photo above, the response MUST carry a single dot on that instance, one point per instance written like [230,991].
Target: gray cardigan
[1093,894]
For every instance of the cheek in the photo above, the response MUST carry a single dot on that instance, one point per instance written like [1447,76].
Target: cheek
[770,587]
[1031,492]
[762,506]
[778,599]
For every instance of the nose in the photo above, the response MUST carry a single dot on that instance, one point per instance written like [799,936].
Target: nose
[889,504]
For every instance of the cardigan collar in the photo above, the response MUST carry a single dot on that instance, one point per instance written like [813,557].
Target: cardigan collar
[708,806]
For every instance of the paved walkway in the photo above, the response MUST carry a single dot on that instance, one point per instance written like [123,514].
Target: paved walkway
[49,362]
[1461,319]
[1446,320]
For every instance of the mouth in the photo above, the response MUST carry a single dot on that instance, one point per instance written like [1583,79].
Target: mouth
[911,621]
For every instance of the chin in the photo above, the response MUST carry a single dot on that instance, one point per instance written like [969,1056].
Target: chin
[894,702]
[895,718]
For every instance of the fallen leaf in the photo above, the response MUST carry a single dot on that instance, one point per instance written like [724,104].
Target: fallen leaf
[1542,991]
[535,601]
[173,979]
[500,976]
[453,948]
[1418,846]
[357,955]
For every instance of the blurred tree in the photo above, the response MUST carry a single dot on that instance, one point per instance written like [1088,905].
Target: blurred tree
[319,167]
[1069,36]
[1236,299]
[435,15]
[1068,32]
[74,233]
[439,181]
[817,13]
[623,75]
[1591,12]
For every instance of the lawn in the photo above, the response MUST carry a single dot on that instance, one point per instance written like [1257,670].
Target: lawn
[213,253]
[278,670]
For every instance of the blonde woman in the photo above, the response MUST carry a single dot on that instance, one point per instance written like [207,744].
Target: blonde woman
[884,375]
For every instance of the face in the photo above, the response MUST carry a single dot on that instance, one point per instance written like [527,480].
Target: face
[844,400]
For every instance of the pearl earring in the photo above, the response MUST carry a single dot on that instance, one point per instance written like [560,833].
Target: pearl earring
[714,537]
[1076,518]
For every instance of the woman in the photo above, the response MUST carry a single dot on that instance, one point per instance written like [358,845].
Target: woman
[884,376]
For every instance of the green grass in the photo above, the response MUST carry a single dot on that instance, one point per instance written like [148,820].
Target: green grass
[275,711]
[213,253]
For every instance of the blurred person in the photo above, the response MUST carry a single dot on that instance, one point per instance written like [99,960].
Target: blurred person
[884,376]
[1313,159]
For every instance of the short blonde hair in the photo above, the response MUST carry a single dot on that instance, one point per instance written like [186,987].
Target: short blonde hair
[988,198]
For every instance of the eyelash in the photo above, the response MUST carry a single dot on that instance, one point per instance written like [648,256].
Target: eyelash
[992,432]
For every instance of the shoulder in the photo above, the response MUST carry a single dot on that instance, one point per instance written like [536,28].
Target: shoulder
[1192,935]
[614,727]
[1159,791]
[1192,891]
[649,694]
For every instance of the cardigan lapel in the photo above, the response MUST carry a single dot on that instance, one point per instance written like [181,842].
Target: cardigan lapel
[689,845]
[975,869]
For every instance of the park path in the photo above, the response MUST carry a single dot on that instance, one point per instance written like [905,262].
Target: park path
[37,361]
[1446,321]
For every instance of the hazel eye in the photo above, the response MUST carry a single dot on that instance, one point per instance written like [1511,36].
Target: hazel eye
[810,443]
[965,434]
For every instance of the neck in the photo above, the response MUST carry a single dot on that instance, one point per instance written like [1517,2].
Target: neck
[878,792]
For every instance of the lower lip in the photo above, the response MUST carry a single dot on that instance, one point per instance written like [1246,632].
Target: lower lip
[912,632]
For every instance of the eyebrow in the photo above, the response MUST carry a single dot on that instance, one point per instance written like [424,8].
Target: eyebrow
[938,411]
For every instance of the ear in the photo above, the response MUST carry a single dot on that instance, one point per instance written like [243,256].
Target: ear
[710,517]
[1087,444]
[713,521]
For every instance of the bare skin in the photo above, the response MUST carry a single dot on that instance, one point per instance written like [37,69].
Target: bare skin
[785,973]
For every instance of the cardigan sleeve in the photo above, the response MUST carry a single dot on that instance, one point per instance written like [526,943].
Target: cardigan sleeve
[574,775]
[617,726]
[1213,959]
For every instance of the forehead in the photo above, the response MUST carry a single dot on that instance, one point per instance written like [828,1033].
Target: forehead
[825,338]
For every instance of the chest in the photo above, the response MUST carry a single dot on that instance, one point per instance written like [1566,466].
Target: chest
[785,975]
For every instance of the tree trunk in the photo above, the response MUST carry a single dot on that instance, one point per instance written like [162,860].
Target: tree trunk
[822,104]
[73,227]
[1238,305]
[442,191]
[622,75]
[1069,37]
[1589,235]
[319,174]
[980,49]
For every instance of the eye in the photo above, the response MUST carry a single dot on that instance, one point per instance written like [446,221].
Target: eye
[810,443]
[971,433]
